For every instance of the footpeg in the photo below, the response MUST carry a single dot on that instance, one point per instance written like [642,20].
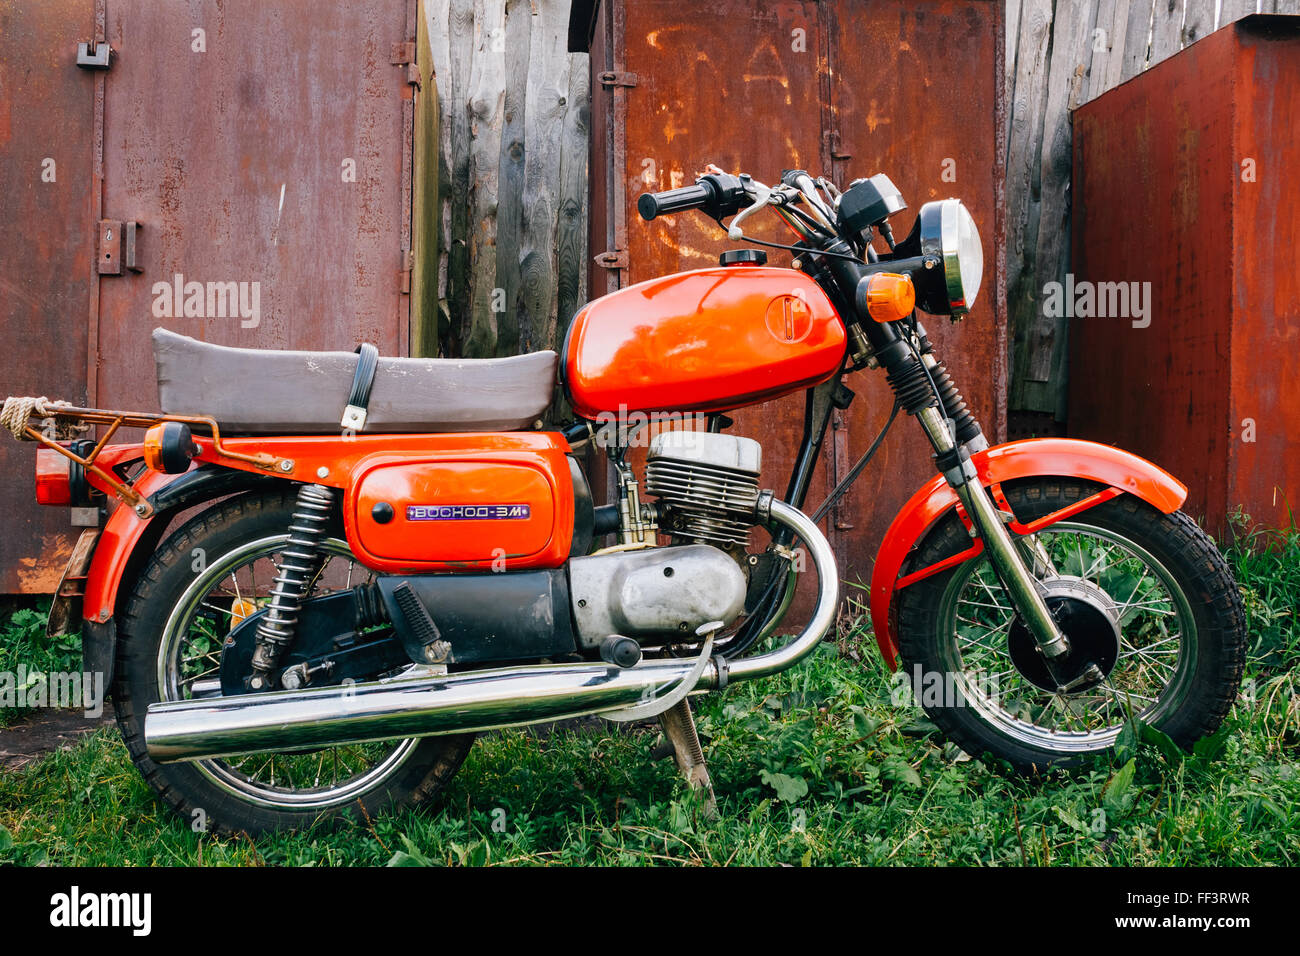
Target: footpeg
[620,651]
[433,649]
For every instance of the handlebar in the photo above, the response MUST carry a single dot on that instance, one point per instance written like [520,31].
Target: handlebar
[721,194]
[651,205]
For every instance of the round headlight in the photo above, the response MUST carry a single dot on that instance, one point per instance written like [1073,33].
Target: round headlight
[948,232]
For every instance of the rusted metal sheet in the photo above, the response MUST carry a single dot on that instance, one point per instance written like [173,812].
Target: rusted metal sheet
[1190,187]
[925,108]
[271,151]
[264,152]
[844,87]
[46,257]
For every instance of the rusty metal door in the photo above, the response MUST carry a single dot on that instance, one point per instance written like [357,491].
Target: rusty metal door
[843,88]
[914,94]
[751,104]
[46,121]
[263,151]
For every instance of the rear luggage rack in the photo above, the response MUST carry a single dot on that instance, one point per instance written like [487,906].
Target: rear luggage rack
[66,421]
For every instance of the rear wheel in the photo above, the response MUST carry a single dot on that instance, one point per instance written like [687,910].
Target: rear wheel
[207,577]
[1147,596]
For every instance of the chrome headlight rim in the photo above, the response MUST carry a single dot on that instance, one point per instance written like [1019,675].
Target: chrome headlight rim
[941,226]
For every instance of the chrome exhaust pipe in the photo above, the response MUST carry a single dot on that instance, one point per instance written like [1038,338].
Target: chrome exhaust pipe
[423,706]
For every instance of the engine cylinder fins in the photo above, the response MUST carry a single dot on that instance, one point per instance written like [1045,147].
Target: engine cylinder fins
[709,483]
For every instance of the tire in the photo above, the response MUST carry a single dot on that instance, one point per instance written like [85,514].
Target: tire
[1183,595]
[233,797]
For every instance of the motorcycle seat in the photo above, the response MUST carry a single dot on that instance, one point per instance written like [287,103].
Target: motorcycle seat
[262,391]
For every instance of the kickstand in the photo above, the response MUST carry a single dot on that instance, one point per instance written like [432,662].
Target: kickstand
[679,727]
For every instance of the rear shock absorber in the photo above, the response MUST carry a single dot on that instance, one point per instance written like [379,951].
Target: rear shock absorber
[301,563]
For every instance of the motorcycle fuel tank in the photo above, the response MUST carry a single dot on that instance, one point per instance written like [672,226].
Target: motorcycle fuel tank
[703,341]
[507,506]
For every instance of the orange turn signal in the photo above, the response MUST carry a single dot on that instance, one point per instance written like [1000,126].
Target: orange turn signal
[889,296]
[169,447]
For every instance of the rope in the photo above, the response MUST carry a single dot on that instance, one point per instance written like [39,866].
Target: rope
[18,410]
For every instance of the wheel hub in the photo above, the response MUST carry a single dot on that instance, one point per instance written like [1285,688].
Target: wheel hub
[1087,617]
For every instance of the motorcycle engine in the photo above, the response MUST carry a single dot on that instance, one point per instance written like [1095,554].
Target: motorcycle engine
[707,485]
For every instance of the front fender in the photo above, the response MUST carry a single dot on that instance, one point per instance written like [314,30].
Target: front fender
[1119,470]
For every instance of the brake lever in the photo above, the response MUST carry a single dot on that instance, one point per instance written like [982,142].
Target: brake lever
[762,198]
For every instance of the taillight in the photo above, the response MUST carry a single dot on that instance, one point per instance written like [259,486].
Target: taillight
[53,482]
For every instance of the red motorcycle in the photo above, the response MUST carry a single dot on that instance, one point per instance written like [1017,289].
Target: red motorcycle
[347,601]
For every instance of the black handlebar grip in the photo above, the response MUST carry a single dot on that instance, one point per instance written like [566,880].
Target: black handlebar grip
[651,205]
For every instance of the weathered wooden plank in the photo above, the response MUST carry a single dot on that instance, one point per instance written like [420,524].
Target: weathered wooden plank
[1236,9]
[1137,37]
[1198,22]
[1071,55]
[547,100]
[486,117]
[1166,30]
[1011,23]
[425,215]
[455,92]
[1028,105]
[514,63]
[1108,37]
[1281,6]
[571,228]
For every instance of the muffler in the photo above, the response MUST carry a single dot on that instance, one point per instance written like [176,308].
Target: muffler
[422,706]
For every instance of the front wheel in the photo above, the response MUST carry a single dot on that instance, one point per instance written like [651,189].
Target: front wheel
[1146,595]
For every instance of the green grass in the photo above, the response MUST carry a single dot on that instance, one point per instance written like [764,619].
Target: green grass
[23,641]
[815,766]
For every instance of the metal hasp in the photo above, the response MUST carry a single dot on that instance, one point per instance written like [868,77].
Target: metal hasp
[94,56]
[1185,223]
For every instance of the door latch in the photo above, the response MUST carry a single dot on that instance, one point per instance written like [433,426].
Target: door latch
[116,247]
[94,56]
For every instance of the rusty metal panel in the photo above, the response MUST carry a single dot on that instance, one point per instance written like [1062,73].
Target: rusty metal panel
[1264,474]
[1189,187]
[924,107]
[262,145]
[46,256]
[264,152]
[843,87]
[751,104]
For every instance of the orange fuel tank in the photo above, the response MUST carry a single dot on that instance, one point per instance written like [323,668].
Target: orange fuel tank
[507,504]
[703,341]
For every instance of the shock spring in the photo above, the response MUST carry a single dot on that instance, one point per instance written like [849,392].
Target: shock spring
[301,562]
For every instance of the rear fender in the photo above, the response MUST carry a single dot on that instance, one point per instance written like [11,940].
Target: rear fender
[1120,471]
[127,541]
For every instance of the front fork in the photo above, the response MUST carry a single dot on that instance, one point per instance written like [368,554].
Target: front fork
[1006,558]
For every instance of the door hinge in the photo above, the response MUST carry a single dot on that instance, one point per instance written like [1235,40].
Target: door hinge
[404,277]
[617,78]
[403,54]
[612,259]
[94,56]
[115,247]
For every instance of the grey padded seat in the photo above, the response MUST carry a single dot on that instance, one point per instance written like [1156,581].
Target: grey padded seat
[259,391]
